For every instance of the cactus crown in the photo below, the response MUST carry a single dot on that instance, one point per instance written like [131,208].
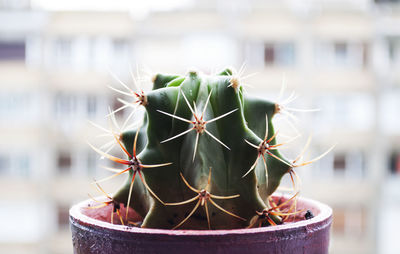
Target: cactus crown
[206,156]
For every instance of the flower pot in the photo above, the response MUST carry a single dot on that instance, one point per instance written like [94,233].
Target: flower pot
[91,235]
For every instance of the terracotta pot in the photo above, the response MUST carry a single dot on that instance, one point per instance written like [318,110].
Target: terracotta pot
[90,235]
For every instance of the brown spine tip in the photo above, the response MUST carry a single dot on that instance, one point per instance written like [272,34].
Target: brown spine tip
[144,100]
[154,78]
[278,108]
[192,73]
[235,83]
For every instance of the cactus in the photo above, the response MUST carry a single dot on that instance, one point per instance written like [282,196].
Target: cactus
[205,157]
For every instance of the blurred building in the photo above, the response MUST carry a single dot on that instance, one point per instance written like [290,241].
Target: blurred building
[342,57]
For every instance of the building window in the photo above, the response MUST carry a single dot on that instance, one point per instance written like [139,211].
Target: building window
[365,54]
[121,50]
[92,159]
[269,54]
[339,220]
[62,216]
[15,164]
[342,54]
[389,106]
[13,50]
[353,111]
[91,105]
[64,162]
[393,49]
[66,105]
[339,162]
[349,221]
[395,163]
[15,4]
[22,166]
[356,221]
[17,106]
[349,165]
[4,164]
[92,51]
[121,54]
[116,105]
[63,52]
[121,46]
[279,54]
[206,50]
[386,1]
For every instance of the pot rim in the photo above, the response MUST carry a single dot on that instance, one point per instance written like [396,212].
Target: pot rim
[324,213]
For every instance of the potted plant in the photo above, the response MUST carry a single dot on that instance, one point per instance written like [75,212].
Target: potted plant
[201,171]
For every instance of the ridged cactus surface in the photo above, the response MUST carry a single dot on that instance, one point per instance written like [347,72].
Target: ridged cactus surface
[205,157]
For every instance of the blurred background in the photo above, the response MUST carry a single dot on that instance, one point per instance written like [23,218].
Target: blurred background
[342,57]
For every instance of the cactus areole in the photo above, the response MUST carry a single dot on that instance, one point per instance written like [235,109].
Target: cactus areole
[204,158]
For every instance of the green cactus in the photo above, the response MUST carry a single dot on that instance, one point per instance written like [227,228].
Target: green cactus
[206,155]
